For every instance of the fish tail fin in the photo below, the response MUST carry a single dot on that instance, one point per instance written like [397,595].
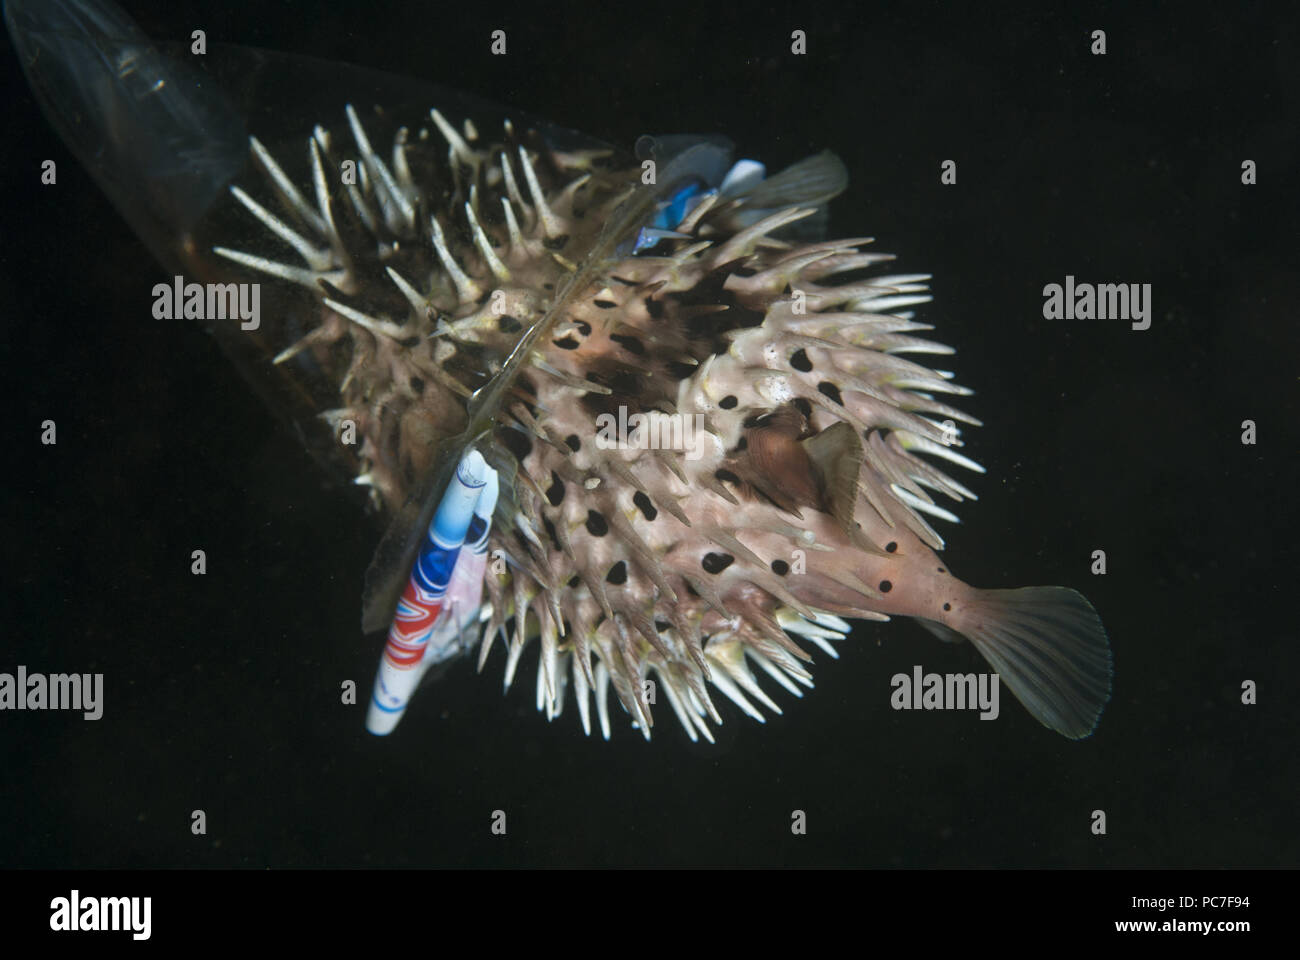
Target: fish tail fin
[1049,647]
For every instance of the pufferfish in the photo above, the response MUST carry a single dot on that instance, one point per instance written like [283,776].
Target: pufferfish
[711,437]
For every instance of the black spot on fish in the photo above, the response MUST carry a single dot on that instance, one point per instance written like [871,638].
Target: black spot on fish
[584,327]
[617,574]
[942,570]
[728,402]
[799,360]
[886,586]
[648,509]
[780,567]
[947,606]
[891,546]
[572,442]
[568,343]
[716,562]
[596,525]
[605,304]
[654,308]
[508,324]
[831,391]
[574,581]
[417,386]
[555,493]
[726,476]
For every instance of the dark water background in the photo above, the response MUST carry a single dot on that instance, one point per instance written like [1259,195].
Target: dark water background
[222,692]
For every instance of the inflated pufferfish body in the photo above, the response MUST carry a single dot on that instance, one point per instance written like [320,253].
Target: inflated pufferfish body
[765,476]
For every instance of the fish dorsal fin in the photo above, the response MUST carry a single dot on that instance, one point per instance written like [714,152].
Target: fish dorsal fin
[810,182]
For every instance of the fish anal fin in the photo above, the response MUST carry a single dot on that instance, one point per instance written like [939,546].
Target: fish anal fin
[940,631]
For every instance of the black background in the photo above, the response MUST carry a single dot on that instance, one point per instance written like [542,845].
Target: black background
[222,692]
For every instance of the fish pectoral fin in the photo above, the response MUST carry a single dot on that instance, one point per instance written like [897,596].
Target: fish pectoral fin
[937,629]
[837,454]
[1049,647]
